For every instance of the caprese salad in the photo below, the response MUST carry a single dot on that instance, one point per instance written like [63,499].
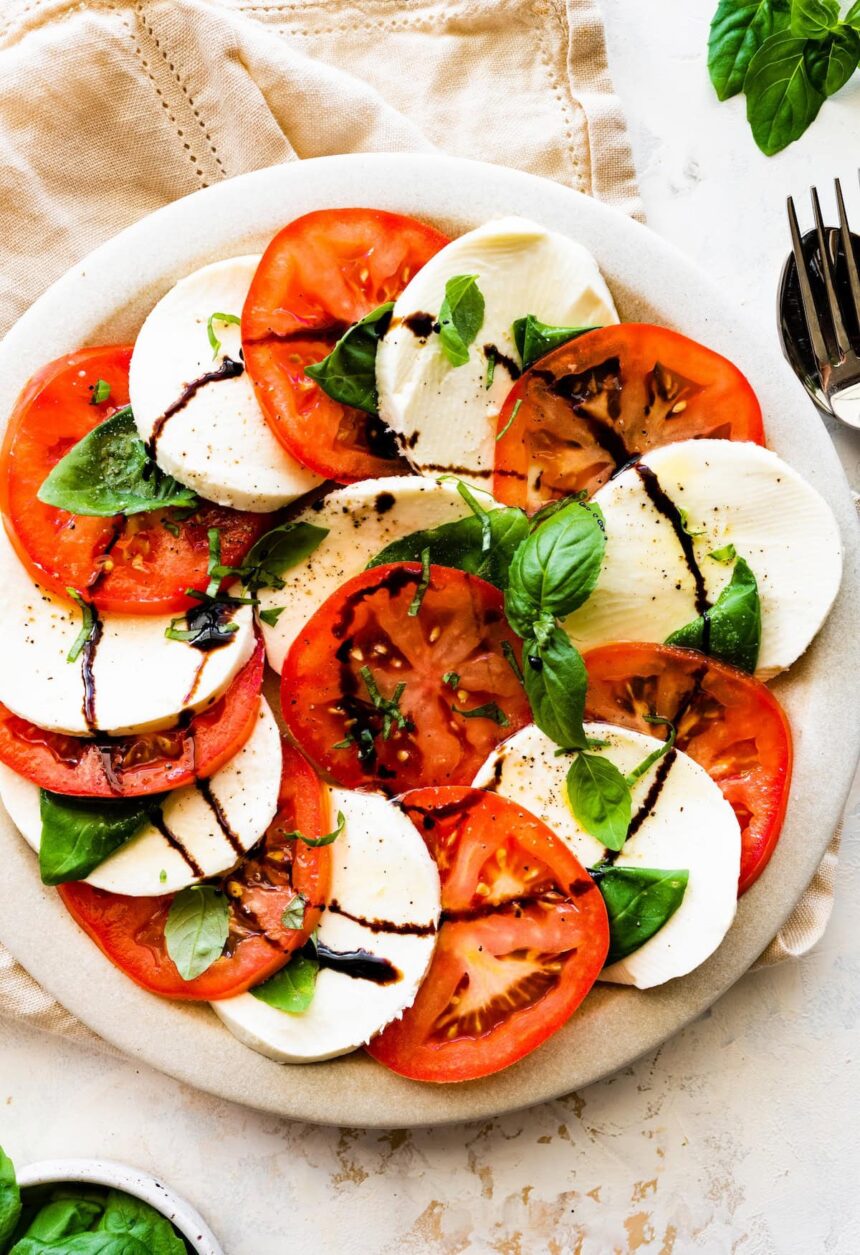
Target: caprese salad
[522,570]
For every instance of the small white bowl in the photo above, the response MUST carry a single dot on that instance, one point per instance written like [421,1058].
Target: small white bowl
[132,1181]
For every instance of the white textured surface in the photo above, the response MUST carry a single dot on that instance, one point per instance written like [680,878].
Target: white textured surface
[740,1133]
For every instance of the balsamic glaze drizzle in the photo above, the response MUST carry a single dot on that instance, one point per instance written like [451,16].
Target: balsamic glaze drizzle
[204,788]
[88,657]
[229,369]
[664,504]
[157,820]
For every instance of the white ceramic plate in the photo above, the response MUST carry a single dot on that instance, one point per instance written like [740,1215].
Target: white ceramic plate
[105,299]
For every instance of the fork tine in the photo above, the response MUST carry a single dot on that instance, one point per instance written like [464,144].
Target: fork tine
[848,250]
[843,344]
[813,323]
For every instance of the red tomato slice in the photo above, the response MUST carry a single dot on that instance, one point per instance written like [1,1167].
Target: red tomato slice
[591,406]
[523,937]
[134,766]
[726,720]
[134,565]
[363,688]
[130,931]
[318,276]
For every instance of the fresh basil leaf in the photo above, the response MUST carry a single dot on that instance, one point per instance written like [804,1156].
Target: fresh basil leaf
[109,472]
[460,544]
[514,412]
[294,913]
[726,555]
[731,629]
[813,19]
[62,1217]
[423,584]
[600,799]
[556,567]
[348,374]
[460,318]
[452,679]
[654,757]
[227,319]
[10,1199]
[781,100]
[738,30]
[88,623]
[639,901]
[490,710]
[100,392]
[292,988]
[535,339]
[125,1215]
[196,929]
[329,837]
[270,557]
[92,1243]
[555,681]
[270,617]
[831,62]
[79,833]
[390,706]
[852,17]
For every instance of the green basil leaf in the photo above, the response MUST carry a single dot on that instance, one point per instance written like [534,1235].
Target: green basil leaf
[535,339]
[109,472]
[348,374]
[100,392]
[489,710]
[79,833]
[460,544]
[738,30]
[10,1199]
[781,100]
[460,318]
[556,567]
[196,929]
[132,1216]
[639,901]
[63,1217]
[294,913]
[271,615]
[274,554]
[831,62]
[423,584]
[317,841]
[292,988]
[852,17]
[726,555]
[555,681]
[88,625]
[93,1243]
[733,631]
[813,19]
[227,319]
[600,799]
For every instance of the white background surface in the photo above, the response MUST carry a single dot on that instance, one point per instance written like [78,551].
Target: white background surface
[740,1134]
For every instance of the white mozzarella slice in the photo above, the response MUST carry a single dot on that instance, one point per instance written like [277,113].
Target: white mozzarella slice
[141,681]
[445,416]
[381,872]
[691,827]
[733,494]
[200,836]
[361,520]
[218,443]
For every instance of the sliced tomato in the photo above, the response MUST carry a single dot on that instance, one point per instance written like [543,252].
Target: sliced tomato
[593,405]
[523,937]
[130,931]
[726,720]
[364,689]
[141,564]
[318,276]
[135,766]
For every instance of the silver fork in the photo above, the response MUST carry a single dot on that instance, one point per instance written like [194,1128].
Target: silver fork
[834,346]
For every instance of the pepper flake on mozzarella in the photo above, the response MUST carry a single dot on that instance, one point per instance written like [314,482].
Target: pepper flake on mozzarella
[211,825]
[217,440]
[688,826]
[385,899]
[444,416]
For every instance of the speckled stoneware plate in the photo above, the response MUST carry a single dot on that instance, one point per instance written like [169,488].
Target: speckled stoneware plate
[106,297]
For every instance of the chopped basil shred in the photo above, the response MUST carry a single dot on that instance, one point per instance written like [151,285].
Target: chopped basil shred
[390,706]
[490,710]
[424,584]
[452,679]
[270,617]
[88,623]
[511,659]
[327,839]
[726,555]
[294,913]
[227,319]
[514,412]
[491,367]
[100,392]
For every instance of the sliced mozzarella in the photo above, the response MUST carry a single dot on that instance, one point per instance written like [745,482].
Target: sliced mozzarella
[691,827]
[445,416]
[200,835]
[218,443]
[733,493]
[361,520]
[141,681]
[381,872]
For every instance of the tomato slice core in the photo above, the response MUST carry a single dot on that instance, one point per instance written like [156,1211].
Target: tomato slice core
[134,766]
[142,564]
[319,275]
[364,692]
[523,938]
[588,408]
[729,722]
[130,931]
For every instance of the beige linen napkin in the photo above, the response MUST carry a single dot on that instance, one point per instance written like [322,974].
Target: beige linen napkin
[109,109]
